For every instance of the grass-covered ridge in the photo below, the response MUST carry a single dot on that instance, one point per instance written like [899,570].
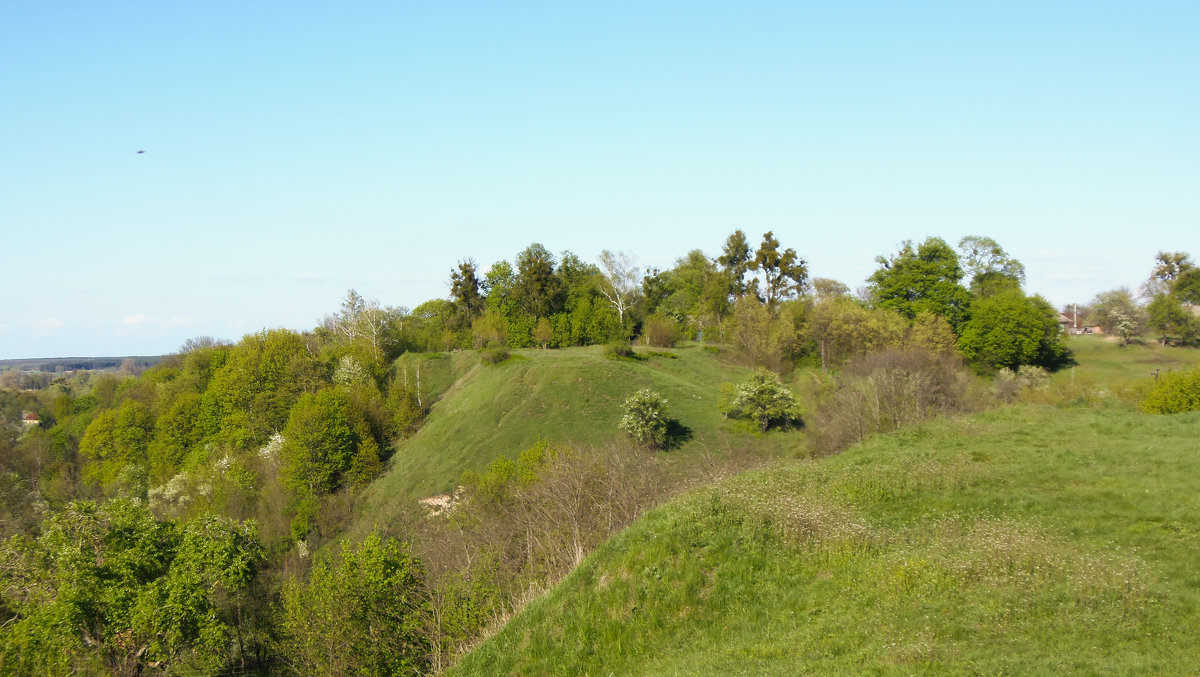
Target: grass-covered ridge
[1028,540]
[483,411]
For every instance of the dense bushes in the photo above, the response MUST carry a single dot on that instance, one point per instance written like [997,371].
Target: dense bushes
[109,589]
[1174,392]
[365,613]
[884,391]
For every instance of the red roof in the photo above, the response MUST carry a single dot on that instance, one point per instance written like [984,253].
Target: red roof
[30,417]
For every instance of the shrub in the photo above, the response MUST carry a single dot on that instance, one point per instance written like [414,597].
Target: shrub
[1009,384]
[882,392]
[364,613]
[494,355]
[764,400]
[645,418]
[1173,393]
[619,348]
[661,332]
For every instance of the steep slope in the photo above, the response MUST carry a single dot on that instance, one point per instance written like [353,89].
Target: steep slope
[1029,540]
[574,395]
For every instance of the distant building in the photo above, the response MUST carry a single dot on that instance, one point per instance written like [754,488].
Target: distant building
[30,420]
[1072,326]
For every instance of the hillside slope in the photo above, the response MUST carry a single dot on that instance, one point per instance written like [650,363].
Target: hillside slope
[1028,540]
[573,395]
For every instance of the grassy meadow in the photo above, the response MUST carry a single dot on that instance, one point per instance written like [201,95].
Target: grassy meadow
[1057,535]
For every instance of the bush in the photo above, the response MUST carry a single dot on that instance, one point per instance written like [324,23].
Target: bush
[884,391]
[366,613]
[619,348]
[661,332]
[764,400]
[645,418]
[1009,384]
[1173,393]
[494,355]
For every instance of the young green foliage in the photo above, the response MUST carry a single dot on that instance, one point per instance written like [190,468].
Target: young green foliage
[365,613]
[1174,392]
[764,400]
[110,588]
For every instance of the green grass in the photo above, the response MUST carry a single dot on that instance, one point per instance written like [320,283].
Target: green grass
[1026,540]
[1107,367]
[573,395]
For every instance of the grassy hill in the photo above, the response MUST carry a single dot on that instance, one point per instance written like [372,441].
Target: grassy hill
[1033,539]
[483,411]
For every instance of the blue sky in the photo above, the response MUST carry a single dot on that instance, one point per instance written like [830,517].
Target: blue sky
[295,150]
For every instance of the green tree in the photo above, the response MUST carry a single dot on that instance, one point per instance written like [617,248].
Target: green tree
[464,292]
[543,332]
[735,262]
[537,285]
[1168,267]
[1168,318]
[841,328]
[325,439]
[248,399]
[926,278]
[367,613]
[825,288]
[990,267]
[111,587]
[1007,330]
[762,399]
[694,293]
[784,273]
[644,418]
[1187,286]
[175,433]
[1115,312]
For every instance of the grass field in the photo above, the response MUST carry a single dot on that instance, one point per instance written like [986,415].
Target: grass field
[1107,367]
[1047,537]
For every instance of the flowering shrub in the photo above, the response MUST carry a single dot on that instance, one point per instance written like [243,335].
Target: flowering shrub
[645,418]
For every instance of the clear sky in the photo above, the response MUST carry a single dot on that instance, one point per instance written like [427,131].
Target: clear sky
[296,150]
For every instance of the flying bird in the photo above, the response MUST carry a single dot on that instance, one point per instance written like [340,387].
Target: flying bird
[141,151]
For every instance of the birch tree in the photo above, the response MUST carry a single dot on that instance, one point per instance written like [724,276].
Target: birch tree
[620,280]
